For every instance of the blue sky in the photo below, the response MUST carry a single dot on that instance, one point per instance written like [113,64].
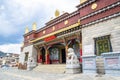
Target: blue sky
[15,15]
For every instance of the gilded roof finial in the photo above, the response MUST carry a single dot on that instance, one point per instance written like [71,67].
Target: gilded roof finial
[57,13]
[82,1]
[26,30]
[34,26]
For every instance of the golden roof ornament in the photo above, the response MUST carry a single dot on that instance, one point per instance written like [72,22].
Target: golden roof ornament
[66,22]
[26,30]
[57,13]
[82,1]
[34,26]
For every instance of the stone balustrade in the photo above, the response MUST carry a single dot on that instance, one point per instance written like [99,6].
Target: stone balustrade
[89,64]
[112,63]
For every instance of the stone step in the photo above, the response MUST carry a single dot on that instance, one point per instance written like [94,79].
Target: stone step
[51,68]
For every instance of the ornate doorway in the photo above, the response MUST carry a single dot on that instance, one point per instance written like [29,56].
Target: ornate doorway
[54,55]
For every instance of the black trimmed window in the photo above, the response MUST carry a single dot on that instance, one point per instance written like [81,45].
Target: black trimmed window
[102,45]
[26,56]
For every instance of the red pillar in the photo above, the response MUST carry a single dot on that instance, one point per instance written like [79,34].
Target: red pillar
[40,58]
[47,57]
[80,53]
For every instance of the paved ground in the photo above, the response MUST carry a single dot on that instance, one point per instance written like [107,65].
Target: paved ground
[15,74]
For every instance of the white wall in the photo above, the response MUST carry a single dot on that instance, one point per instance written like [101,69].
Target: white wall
[109,27]
[32,53]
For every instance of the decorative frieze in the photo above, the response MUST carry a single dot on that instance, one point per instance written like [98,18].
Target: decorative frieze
[85,4]
[100,20]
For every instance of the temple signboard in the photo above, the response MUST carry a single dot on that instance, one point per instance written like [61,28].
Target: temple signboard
[49,38]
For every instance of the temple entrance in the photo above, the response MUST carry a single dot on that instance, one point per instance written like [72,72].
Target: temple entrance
[63,56]
[43,55]
[57,54]
[54,55]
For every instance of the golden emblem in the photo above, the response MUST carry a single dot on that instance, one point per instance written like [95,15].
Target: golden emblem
[94,6]
[78,20]
[66,22]
[28,37]
[44,32]
[53,28]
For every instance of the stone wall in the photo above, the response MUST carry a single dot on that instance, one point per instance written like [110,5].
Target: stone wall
[110,27]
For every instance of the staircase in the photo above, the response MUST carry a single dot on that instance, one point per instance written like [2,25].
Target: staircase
[100,65]
[51,68]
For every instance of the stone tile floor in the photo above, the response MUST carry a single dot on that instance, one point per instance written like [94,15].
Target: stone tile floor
[15,74]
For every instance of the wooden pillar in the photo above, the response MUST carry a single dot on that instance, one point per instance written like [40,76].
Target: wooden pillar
[39,55]
[79,40]
[80,44]
[47,55]
[66,46]
[60,55]
[66,49]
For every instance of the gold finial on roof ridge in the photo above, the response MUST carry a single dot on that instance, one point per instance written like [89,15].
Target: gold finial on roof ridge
[82,1]
[34,26]
[26,30]
[57,13]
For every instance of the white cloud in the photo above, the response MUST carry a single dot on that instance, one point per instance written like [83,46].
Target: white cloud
[10,48]
[15,15]
[2,7]
[22,12]
[6,28]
